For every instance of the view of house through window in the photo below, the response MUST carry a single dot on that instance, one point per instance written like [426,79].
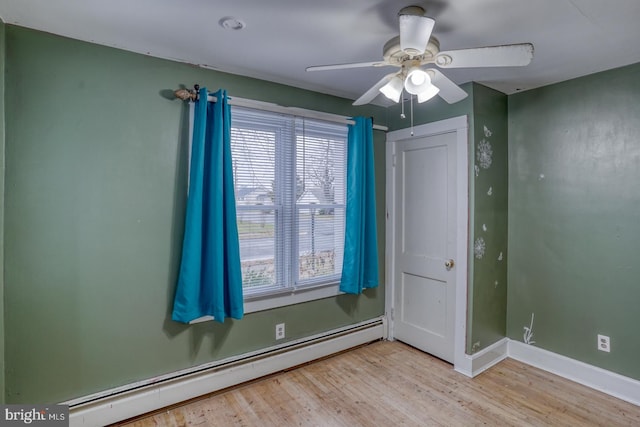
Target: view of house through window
[289,175]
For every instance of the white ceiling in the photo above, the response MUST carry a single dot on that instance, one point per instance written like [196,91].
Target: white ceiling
[571,37]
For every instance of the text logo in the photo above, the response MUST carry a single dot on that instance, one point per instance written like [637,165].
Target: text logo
[36,415]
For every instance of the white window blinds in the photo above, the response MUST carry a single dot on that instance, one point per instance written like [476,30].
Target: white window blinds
[289,175]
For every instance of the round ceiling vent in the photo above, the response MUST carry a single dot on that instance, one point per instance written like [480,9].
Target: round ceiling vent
[231,23]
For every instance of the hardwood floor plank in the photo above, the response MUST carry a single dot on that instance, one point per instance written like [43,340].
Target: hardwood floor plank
[392,384]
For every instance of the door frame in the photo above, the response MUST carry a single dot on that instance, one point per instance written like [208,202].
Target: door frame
[462,362]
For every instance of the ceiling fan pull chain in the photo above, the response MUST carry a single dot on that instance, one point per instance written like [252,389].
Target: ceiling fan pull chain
[411,114]
[402,116]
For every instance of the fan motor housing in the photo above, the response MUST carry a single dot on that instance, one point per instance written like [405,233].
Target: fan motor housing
[393,55]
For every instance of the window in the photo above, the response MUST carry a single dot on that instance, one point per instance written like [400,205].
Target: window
[289,175]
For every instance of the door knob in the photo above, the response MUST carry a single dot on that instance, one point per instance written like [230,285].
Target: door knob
[449,264]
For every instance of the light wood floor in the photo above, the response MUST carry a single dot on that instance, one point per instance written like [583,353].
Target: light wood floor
[392,384]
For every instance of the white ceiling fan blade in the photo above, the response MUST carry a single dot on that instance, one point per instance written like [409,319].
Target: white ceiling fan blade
[514,55]
[374,91]
[415,30]
[449,91]
[345,66]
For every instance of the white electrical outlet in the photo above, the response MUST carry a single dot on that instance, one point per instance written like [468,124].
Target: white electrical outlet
[603,343]
[280,331]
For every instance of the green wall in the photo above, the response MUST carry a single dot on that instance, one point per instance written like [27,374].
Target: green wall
[487,305]
[96,161]
[2,133]
[574,229]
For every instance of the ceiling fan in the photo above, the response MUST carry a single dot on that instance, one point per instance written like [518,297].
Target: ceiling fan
[415,47]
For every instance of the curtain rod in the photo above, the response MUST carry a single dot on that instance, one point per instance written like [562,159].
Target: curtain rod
[191,95]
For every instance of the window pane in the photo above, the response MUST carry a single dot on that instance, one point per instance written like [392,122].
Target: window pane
[253,153]
[256,229]
[320,243]
[321,166]
[253,148]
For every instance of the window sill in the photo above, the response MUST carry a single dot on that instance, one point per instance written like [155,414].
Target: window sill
[297,296]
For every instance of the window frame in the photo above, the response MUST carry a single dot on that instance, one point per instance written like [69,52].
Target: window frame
[292,290]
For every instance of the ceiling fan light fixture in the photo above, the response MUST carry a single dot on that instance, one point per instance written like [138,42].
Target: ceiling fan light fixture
[415,30]
[393,89]
[427,94]
[417,81]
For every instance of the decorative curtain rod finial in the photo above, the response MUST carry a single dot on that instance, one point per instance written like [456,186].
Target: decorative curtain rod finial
[186,94]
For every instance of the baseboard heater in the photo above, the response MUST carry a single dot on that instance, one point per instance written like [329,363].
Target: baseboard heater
[145,396]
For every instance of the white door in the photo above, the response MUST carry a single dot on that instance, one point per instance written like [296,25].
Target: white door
[424,244]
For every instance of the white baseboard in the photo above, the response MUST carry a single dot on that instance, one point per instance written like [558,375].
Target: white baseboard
[124,405]
[479,362]
[608,382]
[616,385]
[490,356]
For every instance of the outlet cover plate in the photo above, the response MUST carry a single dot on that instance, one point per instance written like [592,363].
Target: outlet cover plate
[604,343]
[280,331]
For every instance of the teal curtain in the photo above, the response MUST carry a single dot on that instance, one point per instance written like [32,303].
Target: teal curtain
[360,264]
[210,279]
